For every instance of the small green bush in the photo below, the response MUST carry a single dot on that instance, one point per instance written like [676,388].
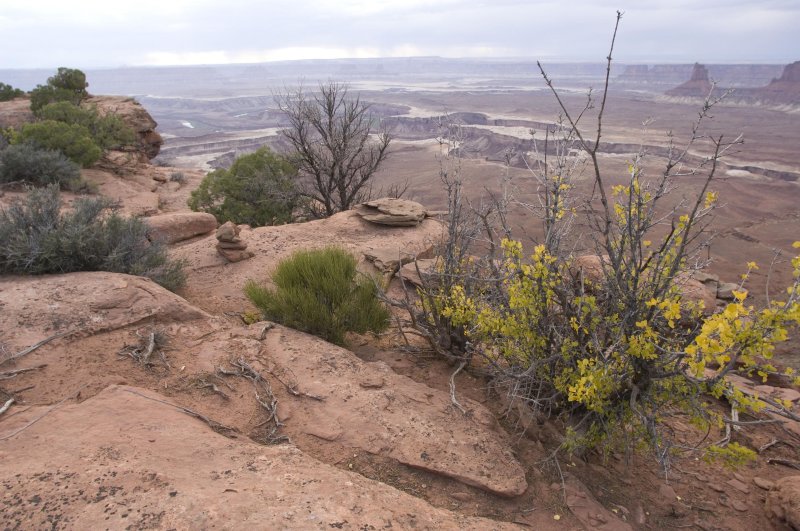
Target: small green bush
[8,93]
[258,190]
[30,164]
[108,132]
[37,238]
[73,140]
[320,292]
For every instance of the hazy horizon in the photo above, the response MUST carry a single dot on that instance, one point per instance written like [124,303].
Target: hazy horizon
[97,34]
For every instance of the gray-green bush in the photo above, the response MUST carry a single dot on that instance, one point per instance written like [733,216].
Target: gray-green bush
[33,165]
[36,237]
[321,292]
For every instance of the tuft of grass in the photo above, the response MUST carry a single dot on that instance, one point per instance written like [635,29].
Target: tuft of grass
[321,292]
[37,238]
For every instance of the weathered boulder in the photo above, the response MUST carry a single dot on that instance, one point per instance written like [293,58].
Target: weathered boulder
[392,211]
[426,273]
[388,259]
[725,290]
[128,458]
[171,228]
[783,502]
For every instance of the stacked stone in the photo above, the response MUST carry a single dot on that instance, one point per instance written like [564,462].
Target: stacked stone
[229,245]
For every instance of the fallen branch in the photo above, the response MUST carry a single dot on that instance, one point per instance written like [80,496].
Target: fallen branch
[144,351]
[453,387]
[202,384]
[784,462]
[7,405]
[264,396]
[11,374]
[33,347]
[40,417]
[213,424]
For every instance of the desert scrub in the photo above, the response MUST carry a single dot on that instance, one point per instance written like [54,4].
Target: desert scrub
[320,292]
[258,189]
[39,167]
[108,131]
[38,238]
[73,140]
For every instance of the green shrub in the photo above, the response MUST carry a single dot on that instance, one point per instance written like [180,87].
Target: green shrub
[68,84]
[8,93]
[73,140]
[258,189]
[320,292]
[37,238]
[36,166]
[108,132]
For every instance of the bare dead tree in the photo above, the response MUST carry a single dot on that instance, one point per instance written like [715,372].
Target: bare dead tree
[332,135]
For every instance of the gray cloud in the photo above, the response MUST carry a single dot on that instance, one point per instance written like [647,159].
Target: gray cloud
[93,33]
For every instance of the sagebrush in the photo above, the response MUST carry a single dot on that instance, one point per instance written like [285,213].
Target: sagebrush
[321,292]
[30,164]
[37,237]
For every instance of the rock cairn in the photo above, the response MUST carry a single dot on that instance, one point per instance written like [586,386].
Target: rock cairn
[229,245]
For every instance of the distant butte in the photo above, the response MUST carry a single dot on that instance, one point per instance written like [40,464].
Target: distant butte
[785,89]
[698,86]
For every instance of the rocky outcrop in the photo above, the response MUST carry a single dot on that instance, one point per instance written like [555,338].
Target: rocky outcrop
[133,114]
[392,212]
[785,89]
[698,86]
[368,406]
[129,459]
[15,113]
[229,245]
[783,502]
[172,228]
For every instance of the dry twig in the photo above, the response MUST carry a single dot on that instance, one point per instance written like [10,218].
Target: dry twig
[40,417]
[214,425]
[11,374]
[33,347]
[7,405]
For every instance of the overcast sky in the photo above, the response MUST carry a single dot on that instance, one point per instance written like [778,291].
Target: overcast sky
[111,33]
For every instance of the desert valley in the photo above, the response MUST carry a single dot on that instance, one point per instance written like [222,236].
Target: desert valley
[245,423]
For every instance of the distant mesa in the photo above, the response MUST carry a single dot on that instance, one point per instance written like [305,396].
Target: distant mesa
[698,86]
[784,90]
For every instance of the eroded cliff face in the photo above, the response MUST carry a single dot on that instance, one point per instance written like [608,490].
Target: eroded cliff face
[785,89]
[132,112]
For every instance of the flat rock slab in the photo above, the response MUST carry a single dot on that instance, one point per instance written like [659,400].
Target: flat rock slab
[388,259]
[392,212]
[126,459]
[368,406]
[172,228]
[34,308]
